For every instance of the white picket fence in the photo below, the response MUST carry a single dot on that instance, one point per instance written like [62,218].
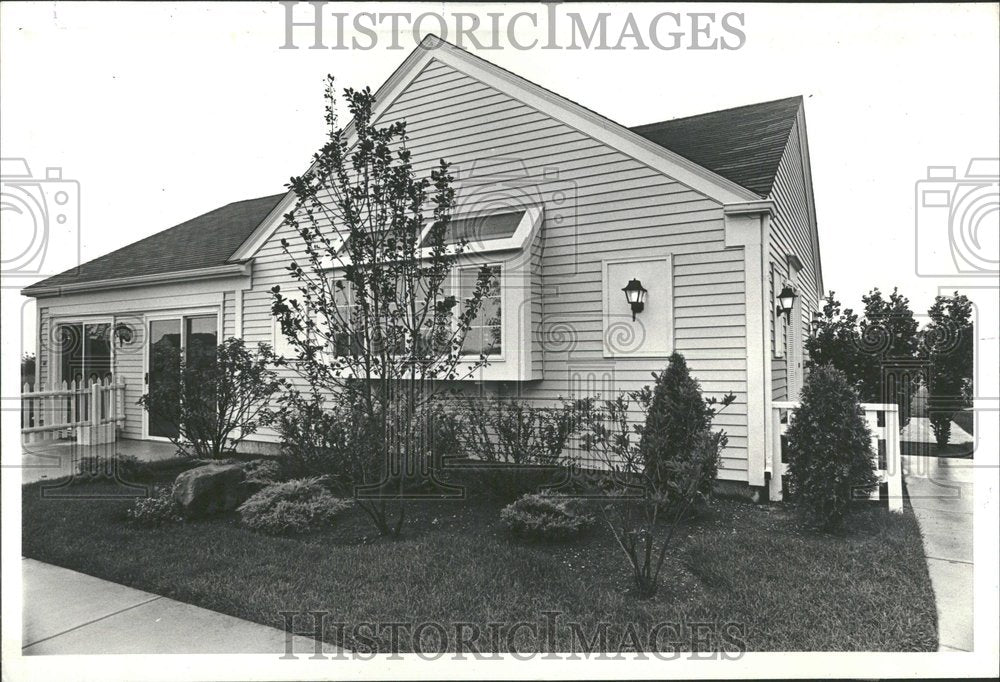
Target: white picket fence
[882,419]
[89,413]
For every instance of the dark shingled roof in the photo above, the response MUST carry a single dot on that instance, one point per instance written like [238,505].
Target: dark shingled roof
[744,144]
[210,239]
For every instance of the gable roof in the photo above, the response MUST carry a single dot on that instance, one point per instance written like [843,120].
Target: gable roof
[432,48]
[206,241]
[743,144]
[730,155]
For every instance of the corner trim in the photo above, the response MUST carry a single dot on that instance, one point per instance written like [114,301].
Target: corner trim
[748,228]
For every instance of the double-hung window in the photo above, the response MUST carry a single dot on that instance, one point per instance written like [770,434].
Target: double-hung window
[485,334]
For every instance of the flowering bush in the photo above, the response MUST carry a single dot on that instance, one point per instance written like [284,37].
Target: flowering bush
[158,509]
[546,516]
[293,507]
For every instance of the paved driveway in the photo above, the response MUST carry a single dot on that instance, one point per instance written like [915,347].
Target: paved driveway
[940,492]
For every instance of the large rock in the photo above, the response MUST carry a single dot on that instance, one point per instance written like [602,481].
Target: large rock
[211,489]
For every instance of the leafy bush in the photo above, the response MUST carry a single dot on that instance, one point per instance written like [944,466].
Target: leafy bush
[331,438]
[830,459]
[293,507]
[124,468]
[546,516]
[512,438]
[157,510]
[213,397]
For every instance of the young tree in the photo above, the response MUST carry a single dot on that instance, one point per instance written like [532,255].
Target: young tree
[655,481]
[835,341]
[371,258]
[947,342]
[888,345]
[215,397]
[875,352]
[830,459]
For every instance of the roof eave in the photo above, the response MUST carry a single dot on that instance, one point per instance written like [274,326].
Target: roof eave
[198,274]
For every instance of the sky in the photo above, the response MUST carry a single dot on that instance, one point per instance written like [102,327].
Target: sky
[162,112]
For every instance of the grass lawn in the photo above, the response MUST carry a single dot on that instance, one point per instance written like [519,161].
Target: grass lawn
[779,586]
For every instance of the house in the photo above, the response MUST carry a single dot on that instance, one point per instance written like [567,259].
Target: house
[712,214]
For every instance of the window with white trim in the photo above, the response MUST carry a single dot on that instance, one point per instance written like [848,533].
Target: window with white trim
[485,334]
[345,341]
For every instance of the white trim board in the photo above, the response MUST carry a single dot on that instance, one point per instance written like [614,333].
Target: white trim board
[196,275]
[616,315]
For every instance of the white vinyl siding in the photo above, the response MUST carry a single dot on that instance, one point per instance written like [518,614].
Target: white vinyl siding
[617,207]
[791,234]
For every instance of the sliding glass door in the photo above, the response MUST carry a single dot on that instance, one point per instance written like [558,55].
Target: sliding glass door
[192,337]
[164,356]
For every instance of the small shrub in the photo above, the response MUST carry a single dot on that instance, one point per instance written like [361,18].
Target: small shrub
[293,507]
[513,438]
[830,460]
[677,432]
[660,469]
[331,438]
[157,510]
[546,516]
[124,468]
[267,470]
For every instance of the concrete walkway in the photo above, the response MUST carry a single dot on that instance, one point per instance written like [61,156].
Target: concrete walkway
[54,459]
[940,492]
[66,612]
[919,430]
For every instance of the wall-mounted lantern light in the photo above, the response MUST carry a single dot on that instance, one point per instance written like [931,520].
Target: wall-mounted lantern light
[124,333]
[635,294]
[786,299]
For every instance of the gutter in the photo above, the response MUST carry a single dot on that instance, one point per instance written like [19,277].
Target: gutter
[199,274]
